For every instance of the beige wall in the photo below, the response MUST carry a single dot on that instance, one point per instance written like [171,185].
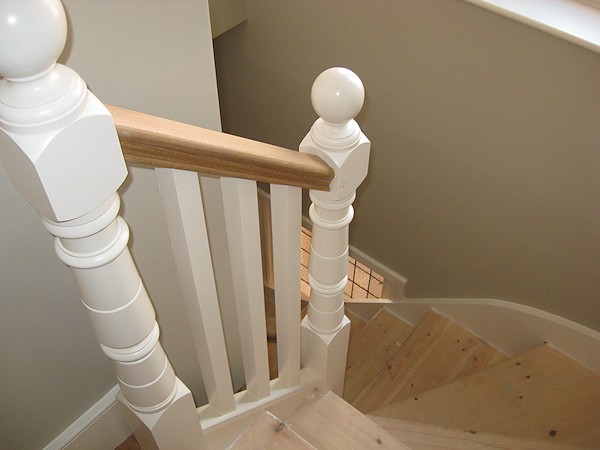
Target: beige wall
[149,55]
[486,139]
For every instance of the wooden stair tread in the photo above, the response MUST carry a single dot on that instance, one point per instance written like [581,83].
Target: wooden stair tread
[268,432]
[541,394]
[371,349]
[328,422]
[356,325]
[419,436]
[437,352]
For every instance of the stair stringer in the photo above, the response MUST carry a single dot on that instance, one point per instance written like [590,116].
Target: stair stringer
[510,327]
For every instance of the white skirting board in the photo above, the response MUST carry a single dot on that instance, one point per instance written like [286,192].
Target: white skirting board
[100,427]
[510,327]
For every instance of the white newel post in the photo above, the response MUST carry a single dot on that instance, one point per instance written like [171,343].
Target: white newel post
[60,149]
[337,96]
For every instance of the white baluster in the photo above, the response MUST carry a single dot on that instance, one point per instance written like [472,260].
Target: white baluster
[286,218]
[182,201]
[62,152]
[337,97]
[240,202]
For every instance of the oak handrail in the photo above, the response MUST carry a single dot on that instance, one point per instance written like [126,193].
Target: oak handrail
[158,142]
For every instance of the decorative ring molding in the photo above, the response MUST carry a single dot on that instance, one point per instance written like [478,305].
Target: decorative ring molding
[120,308]
[99,258]
[315,197]
[141,386]
[330,225]
[92,223]
[335,137]
[156,408]
[43,114]
[327,289]
[321,330]
[136,352]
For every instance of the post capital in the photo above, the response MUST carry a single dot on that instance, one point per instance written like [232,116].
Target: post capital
[68,172]
[349,165]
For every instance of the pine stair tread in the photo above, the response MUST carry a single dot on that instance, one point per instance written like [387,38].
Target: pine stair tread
[356,325]
[422,436]
[438,351]
[541,394]
[328,422]
[268,432]
[371,349]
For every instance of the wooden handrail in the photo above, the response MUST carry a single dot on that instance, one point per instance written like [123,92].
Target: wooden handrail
[157,142]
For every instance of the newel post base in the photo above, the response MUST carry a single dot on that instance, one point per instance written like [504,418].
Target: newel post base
[325,355]
[154,430]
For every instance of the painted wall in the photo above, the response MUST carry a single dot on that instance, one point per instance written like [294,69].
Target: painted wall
[486,139]
[152,56]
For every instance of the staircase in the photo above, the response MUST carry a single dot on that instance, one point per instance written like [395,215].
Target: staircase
[432,386]
[437,386]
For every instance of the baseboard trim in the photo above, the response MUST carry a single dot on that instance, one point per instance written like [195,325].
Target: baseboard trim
[100,427]
[511,327]
[388,274]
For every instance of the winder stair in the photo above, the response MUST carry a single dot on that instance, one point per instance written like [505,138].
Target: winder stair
[438,386]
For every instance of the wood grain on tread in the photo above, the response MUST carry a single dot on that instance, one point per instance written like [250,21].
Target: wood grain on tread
[371,349]
[422,436]
[268,432]
[541,394]
[328,422]
[437,352]
[356,325]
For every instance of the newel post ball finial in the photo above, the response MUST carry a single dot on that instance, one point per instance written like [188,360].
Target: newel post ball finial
[337,95]
[32,37]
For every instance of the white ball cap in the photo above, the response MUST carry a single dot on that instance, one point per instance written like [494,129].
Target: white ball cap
[32,37]
[337,95]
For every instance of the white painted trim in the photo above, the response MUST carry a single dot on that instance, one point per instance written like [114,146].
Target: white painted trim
[575,21]
[102,426]
[286,219]
[240,202]
[510,327]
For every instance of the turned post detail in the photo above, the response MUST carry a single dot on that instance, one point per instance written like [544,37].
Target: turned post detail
[61,150]
[337,97]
